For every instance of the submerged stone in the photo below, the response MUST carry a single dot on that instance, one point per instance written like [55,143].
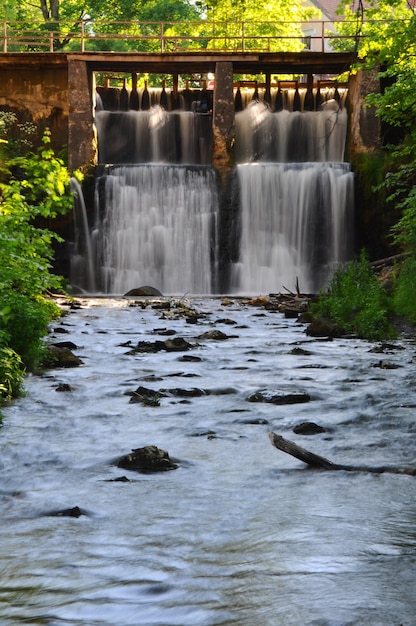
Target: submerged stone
[147,459]
[75,511]
[308,428]
[279,397]
[217,335]
[63,357]
[146,290]
[321,327]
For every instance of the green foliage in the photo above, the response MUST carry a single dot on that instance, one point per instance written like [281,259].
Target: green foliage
[32,186]
[404,298]
[24,323]
[11,373]
[356,302]
[183,21]
[264,23]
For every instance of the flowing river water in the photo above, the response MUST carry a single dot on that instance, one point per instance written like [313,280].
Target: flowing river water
[240,534]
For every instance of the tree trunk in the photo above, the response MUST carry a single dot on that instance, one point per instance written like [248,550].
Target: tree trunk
[321,462]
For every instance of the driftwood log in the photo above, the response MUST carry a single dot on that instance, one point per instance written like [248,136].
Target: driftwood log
[320,462]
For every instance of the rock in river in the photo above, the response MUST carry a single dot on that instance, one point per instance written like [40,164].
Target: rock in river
[147,459]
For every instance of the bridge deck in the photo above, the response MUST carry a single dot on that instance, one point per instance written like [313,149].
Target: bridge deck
[296,63]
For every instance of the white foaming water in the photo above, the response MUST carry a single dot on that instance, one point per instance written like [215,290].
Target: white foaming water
[295,196]
[157,218]
[288,137]
[294,222]
[159,228]
[82,262]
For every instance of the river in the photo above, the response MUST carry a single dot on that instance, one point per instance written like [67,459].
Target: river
[240,534]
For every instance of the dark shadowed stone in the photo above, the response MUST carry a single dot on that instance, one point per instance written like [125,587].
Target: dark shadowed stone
[322,328]
[148,397]
[252,420]
[65,344]
[146,290]
[308,428]
[386,365]
[148,347]
[210,434]
[280,397]
[73,512]
[164,331]
[63,387]
[386,348]
[147,459]
[190,358]
[300,352]
[63,357]
[218,335]
[193,392]
[290,313]
[192,319]
[176,344]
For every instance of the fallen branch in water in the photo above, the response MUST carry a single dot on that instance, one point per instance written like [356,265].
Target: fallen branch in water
[320,462]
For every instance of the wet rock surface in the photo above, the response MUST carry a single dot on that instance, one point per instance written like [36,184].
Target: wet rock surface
[147,459]
[63,356]
[279,397]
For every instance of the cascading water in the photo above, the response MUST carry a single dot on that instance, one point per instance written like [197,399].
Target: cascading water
[82,262]
[158,227]
[295,196]
[156,215]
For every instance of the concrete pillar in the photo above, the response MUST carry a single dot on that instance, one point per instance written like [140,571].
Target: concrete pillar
[223,119]
[82,145]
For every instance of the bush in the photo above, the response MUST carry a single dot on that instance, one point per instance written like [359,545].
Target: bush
[355,302]
[32,186]
[24,323]
[11,373]
[404,294]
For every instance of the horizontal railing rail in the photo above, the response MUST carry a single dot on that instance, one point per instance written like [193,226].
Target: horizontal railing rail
[162,37]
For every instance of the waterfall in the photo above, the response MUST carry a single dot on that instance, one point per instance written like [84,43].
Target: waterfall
[286,217]
[82,261]
[158,226]
[155,136]
[157,206]
[295,195]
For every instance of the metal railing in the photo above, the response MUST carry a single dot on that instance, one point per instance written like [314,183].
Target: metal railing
[162,37]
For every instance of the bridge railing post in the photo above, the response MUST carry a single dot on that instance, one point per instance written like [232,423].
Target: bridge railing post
[162,38]
[243,43]
[82,35]
[4,36]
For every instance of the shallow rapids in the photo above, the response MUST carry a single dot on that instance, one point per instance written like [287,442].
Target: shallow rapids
[240,534]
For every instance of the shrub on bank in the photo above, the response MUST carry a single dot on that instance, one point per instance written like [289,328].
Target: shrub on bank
[32,185]
[355,302]
[404,294]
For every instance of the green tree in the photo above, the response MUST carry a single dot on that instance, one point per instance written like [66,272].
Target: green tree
[263,23]
[385,37]
[271,26]
[32,185]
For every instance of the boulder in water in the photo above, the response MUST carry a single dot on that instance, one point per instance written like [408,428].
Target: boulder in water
[147,459]
[274,397]
[321,327]
[146,290]
[308,428]
[63,357]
